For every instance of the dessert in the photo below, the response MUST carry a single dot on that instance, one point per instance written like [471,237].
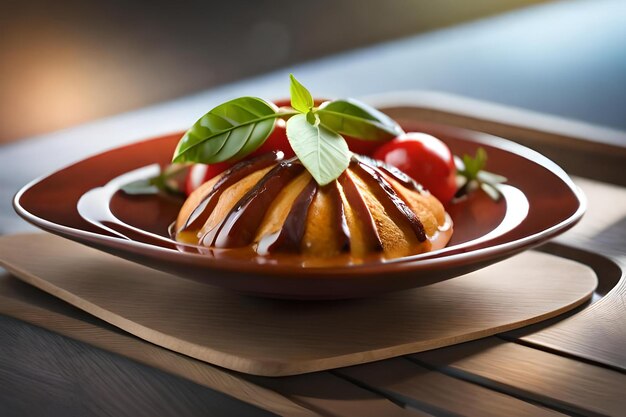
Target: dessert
[290,180]
[273,204]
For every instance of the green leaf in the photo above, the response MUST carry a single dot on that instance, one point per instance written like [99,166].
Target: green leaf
[353,118]
[228,132]
[311,117]
[491,191]
[301,98]
[169,180]
[470,175]
[140,187]
[323,153]
[474,165]
[490,177]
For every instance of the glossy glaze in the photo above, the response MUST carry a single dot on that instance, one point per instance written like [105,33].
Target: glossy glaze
[273,205]
[549,202]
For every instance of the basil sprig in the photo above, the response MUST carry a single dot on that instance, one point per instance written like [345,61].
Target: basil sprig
[323,152]
[233,130]
[301,98]
[471,175]
[170,180]
[228,132]
[353,118]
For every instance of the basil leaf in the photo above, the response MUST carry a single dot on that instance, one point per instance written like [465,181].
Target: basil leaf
[140,187]
[470,175]
[473,165]
[323,153]
[311,117]
[301,98]
[491,191]
[171,180]
[228,132]
[490,177]
[353,118]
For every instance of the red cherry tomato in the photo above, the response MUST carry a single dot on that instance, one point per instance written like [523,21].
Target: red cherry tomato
[276,141]
[362,147]
[424,158]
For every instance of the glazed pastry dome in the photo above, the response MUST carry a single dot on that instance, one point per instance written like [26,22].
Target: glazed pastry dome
[273,205]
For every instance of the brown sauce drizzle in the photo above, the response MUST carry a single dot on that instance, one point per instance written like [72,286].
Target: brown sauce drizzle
[201,213]
[388,197]
[240,225]
[341,224]
[289,238]
[360,209]
[391,171]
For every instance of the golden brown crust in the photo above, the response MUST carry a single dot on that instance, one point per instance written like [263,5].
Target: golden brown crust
[319,234]
[194,199]
[279,209]
[426,207]
[229,198]
[322,231]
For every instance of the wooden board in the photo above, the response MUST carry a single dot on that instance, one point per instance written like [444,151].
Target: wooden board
[562,383]
[602,230]
[438,393]
[269,337]
[317,394]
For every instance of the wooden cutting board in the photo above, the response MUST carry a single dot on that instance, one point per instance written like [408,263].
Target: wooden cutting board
[275,337]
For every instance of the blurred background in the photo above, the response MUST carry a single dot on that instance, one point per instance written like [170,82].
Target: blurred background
[70,61]
[67,62]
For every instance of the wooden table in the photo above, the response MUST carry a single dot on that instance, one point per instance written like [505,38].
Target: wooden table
[574,365]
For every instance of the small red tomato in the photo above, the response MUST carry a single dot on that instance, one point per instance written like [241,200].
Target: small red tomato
[276,141]
[424,158]
[362,147]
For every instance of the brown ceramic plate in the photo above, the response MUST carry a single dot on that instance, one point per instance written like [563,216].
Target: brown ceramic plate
[81,202]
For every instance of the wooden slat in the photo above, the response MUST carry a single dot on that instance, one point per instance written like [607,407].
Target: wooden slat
[598,332]
[33,306]
[603,227]
[559,382]
[438,393]
[331,395]
[321,394]
[46,374]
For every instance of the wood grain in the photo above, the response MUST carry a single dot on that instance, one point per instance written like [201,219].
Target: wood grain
[563,383]
[603,227]
[437,393]
[27,303]
[270,337]
[324,394]
[43,374]
[598,332]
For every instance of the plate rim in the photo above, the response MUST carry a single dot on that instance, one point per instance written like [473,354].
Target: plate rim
[400,265]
